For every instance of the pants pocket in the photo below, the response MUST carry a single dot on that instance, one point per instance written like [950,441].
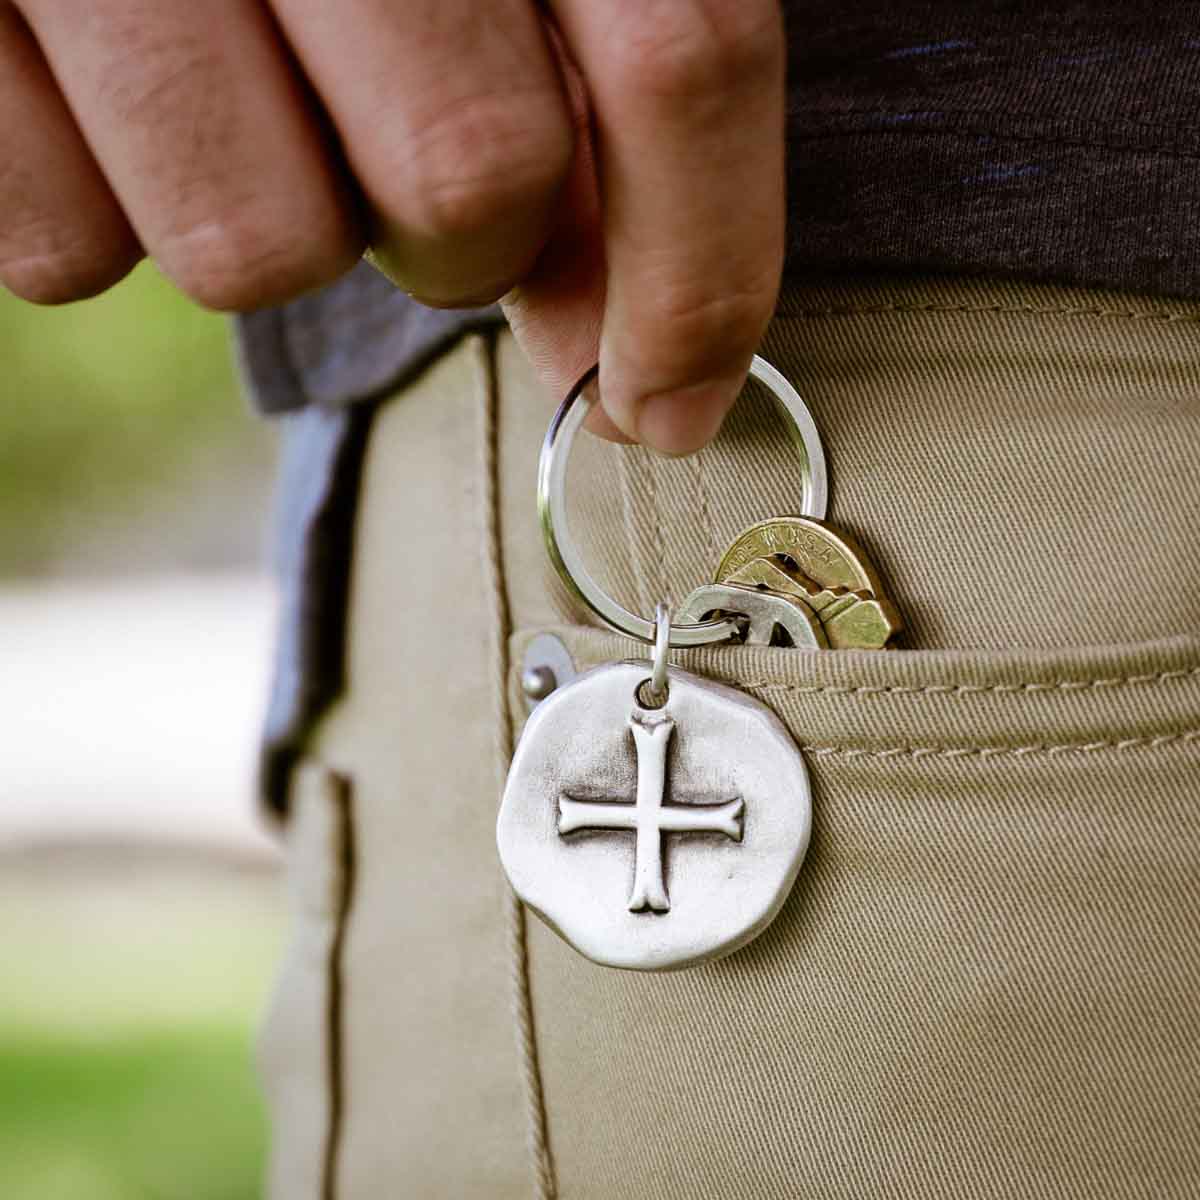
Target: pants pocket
[983,983]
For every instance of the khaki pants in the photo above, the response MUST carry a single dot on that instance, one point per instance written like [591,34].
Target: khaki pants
[985,981]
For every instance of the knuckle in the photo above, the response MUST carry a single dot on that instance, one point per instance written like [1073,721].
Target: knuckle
[481,161]
[701,48]
[464,201]
[238,261]
[66,270]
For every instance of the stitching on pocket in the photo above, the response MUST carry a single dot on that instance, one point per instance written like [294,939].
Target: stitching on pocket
[1101,711]
[970,689]
[1048,749]
[542,1162]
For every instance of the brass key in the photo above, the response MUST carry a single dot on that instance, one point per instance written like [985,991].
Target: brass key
[812,562]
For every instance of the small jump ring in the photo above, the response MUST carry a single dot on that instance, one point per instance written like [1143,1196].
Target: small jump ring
[552,506]
[662,643]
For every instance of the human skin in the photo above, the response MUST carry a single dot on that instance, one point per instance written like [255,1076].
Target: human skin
[612,171]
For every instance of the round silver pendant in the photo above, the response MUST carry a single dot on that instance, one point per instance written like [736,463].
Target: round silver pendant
[654,838]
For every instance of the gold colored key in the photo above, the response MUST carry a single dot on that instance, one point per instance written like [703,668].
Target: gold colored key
[810,561]
[850,620]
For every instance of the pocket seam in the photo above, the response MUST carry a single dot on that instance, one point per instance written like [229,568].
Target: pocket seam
[959,690]
[1184,651]
[1045,749]
[1146,699]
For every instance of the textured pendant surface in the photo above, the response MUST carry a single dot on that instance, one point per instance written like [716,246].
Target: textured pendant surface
[654,838]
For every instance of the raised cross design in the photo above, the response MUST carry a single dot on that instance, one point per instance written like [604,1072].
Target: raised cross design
[649,817]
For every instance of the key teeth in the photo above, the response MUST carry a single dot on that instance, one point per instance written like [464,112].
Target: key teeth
[848,618]
[863,625]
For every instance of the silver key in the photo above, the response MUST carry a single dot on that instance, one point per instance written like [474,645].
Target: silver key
[766,615]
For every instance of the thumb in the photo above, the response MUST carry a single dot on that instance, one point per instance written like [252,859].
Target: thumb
[689,138]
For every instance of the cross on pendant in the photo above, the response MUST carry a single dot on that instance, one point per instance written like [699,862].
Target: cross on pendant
[649,817]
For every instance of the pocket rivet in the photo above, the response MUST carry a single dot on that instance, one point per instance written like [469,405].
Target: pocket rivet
[538,682]
[545,667]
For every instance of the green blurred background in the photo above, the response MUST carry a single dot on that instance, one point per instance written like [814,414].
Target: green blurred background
[131,997]
[124,443]
[134,969]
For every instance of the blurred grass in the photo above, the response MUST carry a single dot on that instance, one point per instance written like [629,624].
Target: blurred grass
[130,988]
[133,991]
[108,409]
[165,1115]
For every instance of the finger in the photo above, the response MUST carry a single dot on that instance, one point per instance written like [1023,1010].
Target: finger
[556,310]
[63,235]
[688,100]
[453,120]
[208,140]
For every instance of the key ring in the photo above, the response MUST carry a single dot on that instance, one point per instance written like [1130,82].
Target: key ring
[552,507]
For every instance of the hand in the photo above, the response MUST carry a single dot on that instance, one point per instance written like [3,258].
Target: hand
[613,170]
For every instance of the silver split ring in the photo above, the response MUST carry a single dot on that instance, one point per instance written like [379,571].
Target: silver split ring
[552,506]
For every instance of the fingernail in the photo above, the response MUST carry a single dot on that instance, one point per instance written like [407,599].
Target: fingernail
[683,421]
